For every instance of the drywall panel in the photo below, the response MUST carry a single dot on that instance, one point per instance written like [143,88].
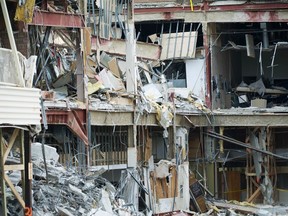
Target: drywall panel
[195,77]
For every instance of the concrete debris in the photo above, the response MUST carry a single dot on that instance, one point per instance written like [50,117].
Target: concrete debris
[70,193]
[50,152]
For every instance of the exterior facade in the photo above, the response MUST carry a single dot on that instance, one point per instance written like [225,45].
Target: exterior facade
[180,90]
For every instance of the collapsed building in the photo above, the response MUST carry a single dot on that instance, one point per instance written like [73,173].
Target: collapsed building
[173,99]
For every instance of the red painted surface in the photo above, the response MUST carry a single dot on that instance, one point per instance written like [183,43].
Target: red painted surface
[269,16]
[207,7]
[45,18]
[74,119]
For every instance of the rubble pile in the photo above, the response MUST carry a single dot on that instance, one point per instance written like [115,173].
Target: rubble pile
[67,192]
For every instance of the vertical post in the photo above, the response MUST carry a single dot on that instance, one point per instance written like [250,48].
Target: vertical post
[205,29]
[132,89]
[2,172]
[12,42]
[79,70]
[22,161]
[28,173]
[131,49]
[131,80]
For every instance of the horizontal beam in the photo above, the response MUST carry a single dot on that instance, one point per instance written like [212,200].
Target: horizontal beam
[14,167]
[206,7]
[100,118]
[118,47]
[222,13]
[55,19]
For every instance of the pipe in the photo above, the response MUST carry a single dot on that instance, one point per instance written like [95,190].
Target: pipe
[233,141]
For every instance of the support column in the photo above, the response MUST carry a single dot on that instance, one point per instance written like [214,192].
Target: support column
[28,173]
[207,63]
[2,172]
[131,81]
[79,70]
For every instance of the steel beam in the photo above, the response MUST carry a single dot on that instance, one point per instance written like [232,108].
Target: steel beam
[74,119]
[46,18]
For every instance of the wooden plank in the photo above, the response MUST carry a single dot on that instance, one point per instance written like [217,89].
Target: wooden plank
[233,181]
[173,182]
[148,146]
[159,189]
[14,191]
[246,209]
[14,167]
[254,195]
[114,68]
[10,144]
[2,173]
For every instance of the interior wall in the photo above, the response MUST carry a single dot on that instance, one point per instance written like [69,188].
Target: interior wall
[220,67]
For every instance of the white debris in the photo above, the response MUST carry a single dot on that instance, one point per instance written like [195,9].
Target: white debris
[50,152]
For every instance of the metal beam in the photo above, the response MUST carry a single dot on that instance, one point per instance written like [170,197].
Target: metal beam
[74,119]
[46,18]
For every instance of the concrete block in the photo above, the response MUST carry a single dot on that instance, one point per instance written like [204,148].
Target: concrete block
[260,103]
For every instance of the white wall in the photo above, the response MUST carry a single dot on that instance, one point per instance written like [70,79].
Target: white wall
[195,77]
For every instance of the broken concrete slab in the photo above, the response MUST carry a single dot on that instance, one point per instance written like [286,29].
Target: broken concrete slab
[118,47]
[50,152]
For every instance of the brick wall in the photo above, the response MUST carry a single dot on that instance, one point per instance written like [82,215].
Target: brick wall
[21,40]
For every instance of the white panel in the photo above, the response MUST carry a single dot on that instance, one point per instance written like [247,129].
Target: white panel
[195,77]
[178,45]
[19,106]
[8,70]
[132,157]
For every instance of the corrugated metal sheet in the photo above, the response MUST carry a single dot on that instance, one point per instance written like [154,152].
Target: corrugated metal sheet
[19,106]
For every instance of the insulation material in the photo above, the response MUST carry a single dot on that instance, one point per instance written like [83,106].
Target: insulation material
[164,116]
[24,12]
[178,45]
[94,87]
